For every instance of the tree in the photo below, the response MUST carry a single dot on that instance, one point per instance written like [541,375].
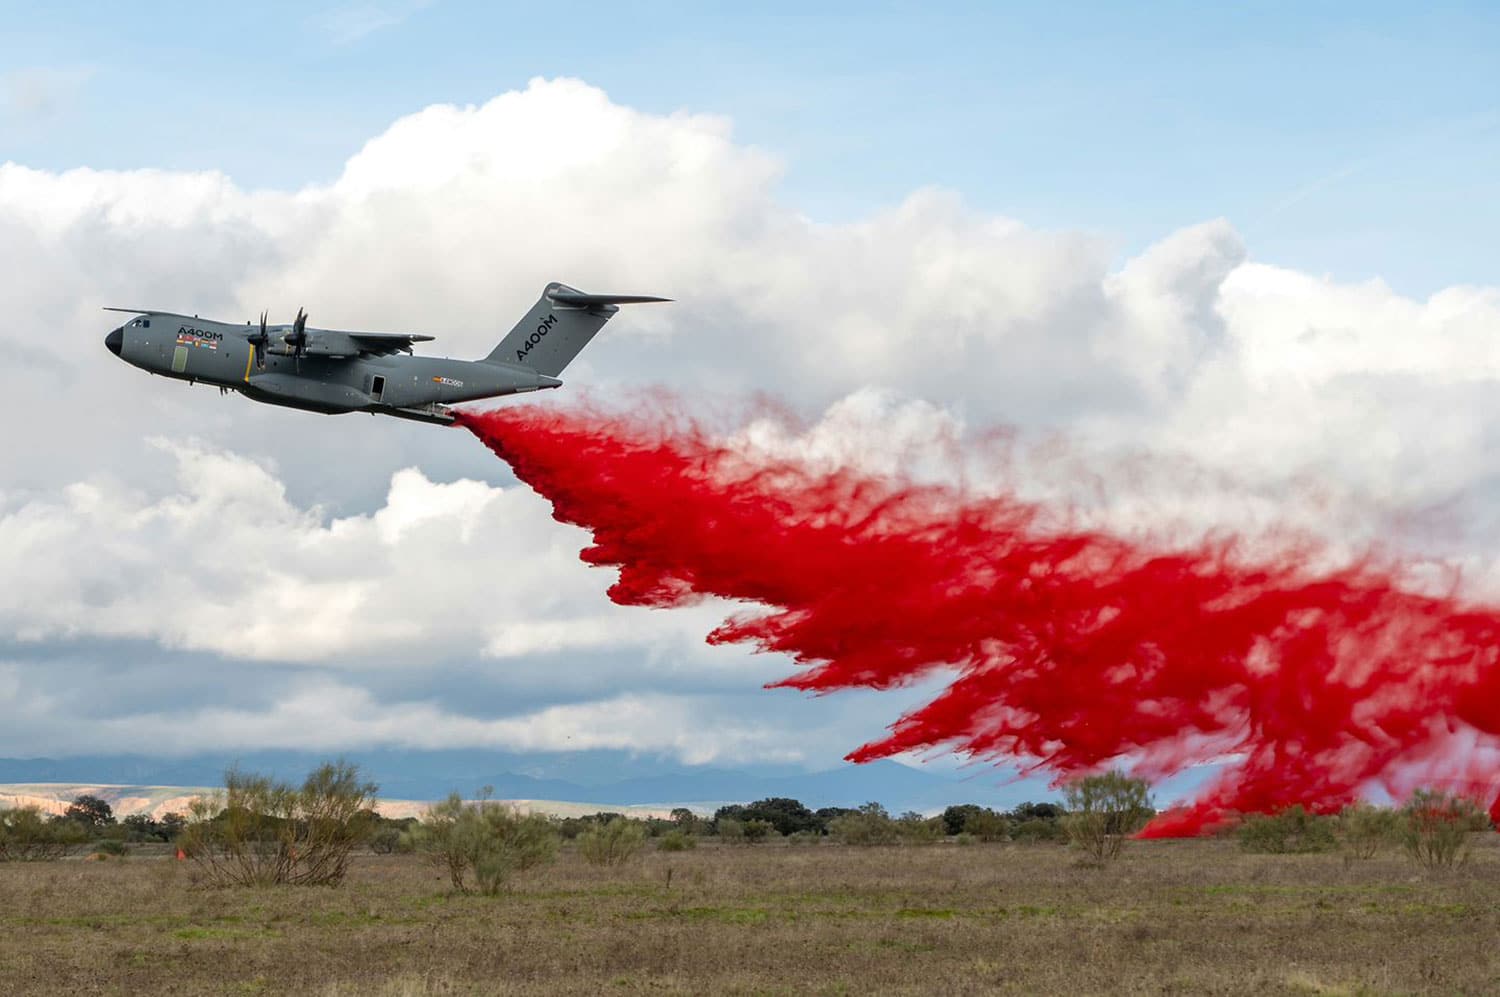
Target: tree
[489,839]
[90,811]
[172,824]
[731,812]
[261,832]
[687,822]
[788,816]
[142,827]
[956,816]
[1036,811]
[1103,810]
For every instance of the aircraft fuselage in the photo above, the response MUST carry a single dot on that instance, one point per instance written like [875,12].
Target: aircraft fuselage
[220,354]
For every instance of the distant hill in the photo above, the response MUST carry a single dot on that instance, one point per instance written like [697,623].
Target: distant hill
[157,801]
[595,778]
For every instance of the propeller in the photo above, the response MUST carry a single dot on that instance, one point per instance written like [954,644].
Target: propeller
[260,341]
[297,338]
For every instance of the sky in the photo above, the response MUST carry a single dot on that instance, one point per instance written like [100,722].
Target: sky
[1258,240]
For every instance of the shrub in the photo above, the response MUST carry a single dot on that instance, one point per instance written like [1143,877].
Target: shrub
[487,839]
[613,843]
[869,825]
[919,830]
[386,839]
[1363,829]
[1434,827]
[676,841]
[730,830]
[26,835]
[261,832]
[986,825]
[1105,809]
[1292,831]
[1037,829]
[757,831]
[111,846]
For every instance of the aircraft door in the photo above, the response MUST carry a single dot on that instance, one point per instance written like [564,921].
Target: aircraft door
[377,386]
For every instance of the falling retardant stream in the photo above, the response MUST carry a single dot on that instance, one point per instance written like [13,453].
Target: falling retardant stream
[1069,650]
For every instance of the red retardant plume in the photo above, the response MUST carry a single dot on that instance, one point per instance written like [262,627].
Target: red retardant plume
[1071,650]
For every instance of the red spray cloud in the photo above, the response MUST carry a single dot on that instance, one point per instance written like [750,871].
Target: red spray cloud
[1072,650]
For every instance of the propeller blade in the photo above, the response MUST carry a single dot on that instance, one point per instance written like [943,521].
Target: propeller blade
[298,336]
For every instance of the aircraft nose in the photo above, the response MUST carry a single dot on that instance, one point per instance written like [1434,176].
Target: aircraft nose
[115,340]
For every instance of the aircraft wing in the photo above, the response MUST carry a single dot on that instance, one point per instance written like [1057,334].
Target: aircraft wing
[384,343]
[332,343]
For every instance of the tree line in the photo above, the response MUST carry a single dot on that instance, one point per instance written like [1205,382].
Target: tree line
[259,830]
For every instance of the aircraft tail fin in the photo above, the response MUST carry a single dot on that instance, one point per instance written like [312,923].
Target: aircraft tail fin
[558,327]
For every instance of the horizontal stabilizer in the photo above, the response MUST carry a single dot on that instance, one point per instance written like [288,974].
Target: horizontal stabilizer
[577,299]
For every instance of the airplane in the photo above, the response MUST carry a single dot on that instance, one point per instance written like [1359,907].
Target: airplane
[324,370]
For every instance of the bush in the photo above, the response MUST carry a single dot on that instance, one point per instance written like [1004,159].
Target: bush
[676,841]
[1293,831]
[385,840]
[757,831]
[260,832]
[1434,827]
[488,839]
[918,830]
[1037,829]
[111,846]
[986,825]
[869,825]
[26,835]
[1103,810]
[731,830]
[1363,829]
[613,843]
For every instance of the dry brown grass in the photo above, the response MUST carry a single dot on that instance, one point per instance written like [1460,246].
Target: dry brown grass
[1168,917]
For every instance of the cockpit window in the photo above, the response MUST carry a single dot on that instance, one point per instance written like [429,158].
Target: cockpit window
[146,322]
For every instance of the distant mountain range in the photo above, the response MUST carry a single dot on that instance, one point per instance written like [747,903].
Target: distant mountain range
[595,777]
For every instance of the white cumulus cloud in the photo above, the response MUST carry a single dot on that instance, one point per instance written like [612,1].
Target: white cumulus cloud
[138,510]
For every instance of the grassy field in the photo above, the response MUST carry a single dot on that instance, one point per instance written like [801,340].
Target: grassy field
[1169,917]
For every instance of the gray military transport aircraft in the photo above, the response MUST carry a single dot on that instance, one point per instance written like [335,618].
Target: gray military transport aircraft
[323,370]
